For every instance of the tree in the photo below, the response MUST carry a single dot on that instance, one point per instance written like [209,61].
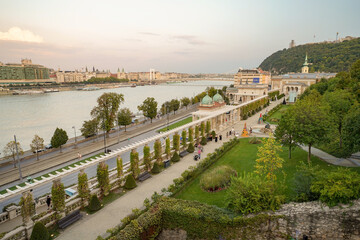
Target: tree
[167,147]
[83,186]
[285,131]
[202,129]
[176,142]
[119,167]
[124,117]
[191,134]
[149,108]
[147,157]
[59,138]
[157,151]
[174,105]
[39,232]
[58,196]
[312,121]
[355,71]
[340,102]
[197,133]
[269,161]
[27,206]
[352,130]
[102,174]
[10,150]
[185,101]
[183,136]
[90,128]
[208,128]
[134,163]
[105,111]
[165,108]
[37,144]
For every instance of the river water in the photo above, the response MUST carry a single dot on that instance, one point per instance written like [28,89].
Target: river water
[27,115]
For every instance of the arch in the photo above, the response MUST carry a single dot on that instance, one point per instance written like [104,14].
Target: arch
[288,89]
[296,89]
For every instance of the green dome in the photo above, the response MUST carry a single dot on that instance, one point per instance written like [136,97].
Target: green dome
[218,98]
[206,100]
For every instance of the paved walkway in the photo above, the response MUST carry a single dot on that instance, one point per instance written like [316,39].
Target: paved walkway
[90,226]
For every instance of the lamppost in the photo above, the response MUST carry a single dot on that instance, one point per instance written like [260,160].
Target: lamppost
[167,111]
[75,137]
[17,156]
[104,137]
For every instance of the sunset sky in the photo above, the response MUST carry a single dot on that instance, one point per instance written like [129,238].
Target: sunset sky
[193,36]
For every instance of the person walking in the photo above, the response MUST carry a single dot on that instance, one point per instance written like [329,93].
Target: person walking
[48,201]
[199,152]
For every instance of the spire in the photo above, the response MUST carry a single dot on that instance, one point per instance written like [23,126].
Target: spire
[118,69]
[306,63]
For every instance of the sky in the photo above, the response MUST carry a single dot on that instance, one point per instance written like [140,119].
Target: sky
[189,36]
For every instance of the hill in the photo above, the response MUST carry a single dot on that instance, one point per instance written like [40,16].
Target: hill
[324,57]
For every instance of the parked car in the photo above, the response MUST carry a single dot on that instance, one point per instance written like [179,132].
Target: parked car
[49,146]
[39,150]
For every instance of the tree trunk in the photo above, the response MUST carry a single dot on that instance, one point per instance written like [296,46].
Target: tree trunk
[60,149]
[309,154]
[37,155]
[150,120]
[290,152]
[125,128]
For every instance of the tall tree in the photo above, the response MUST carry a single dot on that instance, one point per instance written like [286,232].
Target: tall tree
[352,130]
[59,138]
[10,150]
[124,117]
[312,121]
[340,102]
[90,128]
[36,145]
[149,108]
[285,131]
[185,101]
[106,109]
[174,105]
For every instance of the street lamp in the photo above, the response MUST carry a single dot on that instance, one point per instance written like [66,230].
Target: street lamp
[104,137]
[167,110]
[75,136]
[17,156]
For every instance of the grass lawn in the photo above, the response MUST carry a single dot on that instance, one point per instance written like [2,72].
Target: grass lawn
[277,115]
[242,158]
[177,124]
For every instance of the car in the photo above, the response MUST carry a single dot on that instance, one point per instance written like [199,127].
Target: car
[49,146]
[39,150]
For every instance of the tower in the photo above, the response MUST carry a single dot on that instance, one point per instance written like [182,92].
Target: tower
[305,68]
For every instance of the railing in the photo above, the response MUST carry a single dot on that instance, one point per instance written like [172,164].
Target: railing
[16,234]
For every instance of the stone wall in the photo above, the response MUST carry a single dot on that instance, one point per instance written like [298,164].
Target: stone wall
[296,220]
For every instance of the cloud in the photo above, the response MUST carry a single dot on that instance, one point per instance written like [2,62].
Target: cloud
[149,33]
[22,35]
[190,39]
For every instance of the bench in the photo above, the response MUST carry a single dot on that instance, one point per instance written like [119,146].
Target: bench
[69,219]
[183,153]
[166,163]
[144,176]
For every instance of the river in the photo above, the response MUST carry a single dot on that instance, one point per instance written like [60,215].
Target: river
[27,115]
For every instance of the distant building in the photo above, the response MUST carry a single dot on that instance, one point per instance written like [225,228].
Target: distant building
[70,76]
[26,72]
[292,44]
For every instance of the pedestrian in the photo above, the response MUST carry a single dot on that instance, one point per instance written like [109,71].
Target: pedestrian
[199,153]
[250,130]
[79,156]
[48,201]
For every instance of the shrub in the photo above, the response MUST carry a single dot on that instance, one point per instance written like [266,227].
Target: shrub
[213,134]
[157,150]
[130,182]
[147,157]
[191,148]
[303,179]
[83,186]
[203,141]
[250,193]
[134,163]
[183,136]
[176,142]
[94,204]
[175,157]
[217,179]
[336,187]
[254,140]
[156,168]
[39,232]
[103,178]
[58,196]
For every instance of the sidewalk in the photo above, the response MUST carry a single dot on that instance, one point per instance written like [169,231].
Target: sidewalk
[70,153]
[90,226]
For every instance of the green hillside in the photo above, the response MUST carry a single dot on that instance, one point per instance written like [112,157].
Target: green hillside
[325,57]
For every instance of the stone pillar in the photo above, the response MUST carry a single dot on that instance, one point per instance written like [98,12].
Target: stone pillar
[12,212]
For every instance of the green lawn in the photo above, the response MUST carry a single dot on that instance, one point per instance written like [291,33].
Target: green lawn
[277,115]
[242,158]
[177,124]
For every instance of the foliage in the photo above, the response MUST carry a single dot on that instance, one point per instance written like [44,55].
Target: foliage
[59,138]
[94,204]
[157,150]
[37,144]
[10,150]
[202,129]
[191,134]
[273,94]
[156,168]
[130,182]
[175,157]
[176,142]
[255,140]
[119,167]
[338,186]
[103,178]
[147,157]
[149,108]
[58,196]
[203,141]
[352,130]
[191,148]
[124,117]
[94,80]
[268,161]
[90,128]
[250,193]
[250,109]
[176,124]
[208,128]
[183,138]
[185,101]
[217,179]
[167,147]
[27,206]
[134,163]
[303,179]
[197,133]
[106,109]
[325,57]
[213,134]
[174,105]
[39,232]
[83,186]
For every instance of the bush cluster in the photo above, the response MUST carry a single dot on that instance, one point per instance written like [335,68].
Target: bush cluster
[39,232]
[156,168]
[94,204]
[271,112]
[217,179]
[252,108]
[175,157]
[130,182]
